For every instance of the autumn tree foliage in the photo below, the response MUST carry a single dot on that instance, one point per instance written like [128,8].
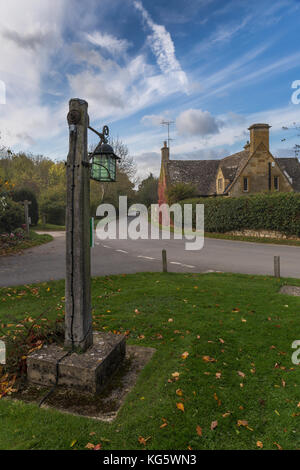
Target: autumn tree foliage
[148,191]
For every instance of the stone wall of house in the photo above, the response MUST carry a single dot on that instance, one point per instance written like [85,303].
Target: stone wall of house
[220,178]
[257,172]
[162,186]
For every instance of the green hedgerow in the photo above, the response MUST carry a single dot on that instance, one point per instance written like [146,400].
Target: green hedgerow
[279,211]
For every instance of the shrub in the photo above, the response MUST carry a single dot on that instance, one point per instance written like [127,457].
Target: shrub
[53,207]
[11,214]
[180,191]
[279,211]
[26,194]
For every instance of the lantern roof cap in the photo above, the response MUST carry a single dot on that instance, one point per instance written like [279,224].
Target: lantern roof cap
[105,149]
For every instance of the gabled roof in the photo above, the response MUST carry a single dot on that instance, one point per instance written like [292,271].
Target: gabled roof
[291,167]
[200,173]
[231,165]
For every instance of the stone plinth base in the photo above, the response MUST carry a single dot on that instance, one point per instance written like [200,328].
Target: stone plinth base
[87,373]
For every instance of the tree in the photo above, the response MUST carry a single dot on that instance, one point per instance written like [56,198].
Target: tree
[53,205]
[127,164]
[294,128]
[148,191]
[180,191]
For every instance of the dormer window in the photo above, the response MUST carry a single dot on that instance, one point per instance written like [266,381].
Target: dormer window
[220,185]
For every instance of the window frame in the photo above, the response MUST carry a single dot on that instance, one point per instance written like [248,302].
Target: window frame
[276,177]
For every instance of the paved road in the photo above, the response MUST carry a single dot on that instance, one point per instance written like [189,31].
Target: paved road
[47,262]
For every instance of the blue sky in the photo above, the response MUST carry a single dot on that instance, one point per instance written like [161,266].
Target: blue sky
[213,67]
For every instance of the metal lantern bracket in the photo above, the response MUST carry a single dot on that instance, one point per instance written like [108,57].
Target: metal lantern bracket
[108,151]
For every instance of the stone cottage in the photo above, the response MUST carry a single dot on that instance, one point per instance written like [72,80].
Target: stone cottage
[250,171]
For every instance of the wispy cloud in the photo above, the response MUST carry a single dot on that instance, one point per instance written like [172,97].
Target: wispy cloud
[109,42]
[163,47]
[276,67]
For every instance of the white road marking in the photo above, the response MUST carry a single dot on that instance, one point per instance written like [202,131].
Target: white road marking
[145,257]
[183,265]
[122,251]
[105,246]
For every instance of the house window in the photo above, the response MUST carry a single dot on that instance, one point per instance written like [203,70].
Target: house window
[220,184]
[276,183]
[245,184]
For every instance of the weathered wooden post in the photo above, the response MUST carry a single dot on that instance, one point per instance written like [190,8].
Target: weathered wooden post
[78,321]
[102,353]
[277,266]
[164,261]
[26,205]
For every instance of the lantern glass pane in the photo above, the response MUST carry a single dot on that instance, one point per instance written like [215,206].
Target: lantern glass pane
[100,165]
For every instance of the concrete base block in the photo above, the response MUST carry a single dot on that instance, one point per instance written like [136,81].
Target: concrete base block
[87,373]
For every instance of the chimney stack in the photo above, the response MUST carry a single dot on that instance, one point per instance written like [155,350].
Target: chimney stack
[165,153]
[259,133]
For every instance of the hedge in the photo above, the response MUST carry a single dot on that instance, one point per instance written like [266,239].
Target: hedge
[276,211]
[11,215]
[53,207]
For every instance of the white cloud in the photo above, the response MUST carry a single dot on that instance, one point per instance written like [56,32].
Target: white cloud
[115,90]
[27,41]
[196,122]
[163,48]
[147,162]
[155,119]
[114,45]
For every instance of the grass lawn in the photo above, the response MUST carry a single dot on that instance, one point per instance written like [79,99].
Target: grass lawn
[17,246]
[238,373]
[49,227]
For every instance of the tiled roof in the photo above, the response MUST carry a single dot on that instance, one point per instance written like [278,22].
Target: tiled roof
[292,167]
[233,164]
[200,173]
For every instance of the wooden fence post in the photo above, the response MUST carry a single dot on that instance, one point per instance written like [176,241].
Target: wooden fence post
[277,266]
[26,205]
[164,261]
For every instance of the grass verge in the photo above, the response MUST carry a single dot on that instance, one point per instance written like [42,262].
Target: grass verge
[276,241]
[50,227]
[222,376]
[18,246]
[242,238]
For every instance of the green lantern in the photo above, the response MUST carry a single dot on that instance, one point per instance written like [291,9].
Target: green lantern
[104,160]
[104,164]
